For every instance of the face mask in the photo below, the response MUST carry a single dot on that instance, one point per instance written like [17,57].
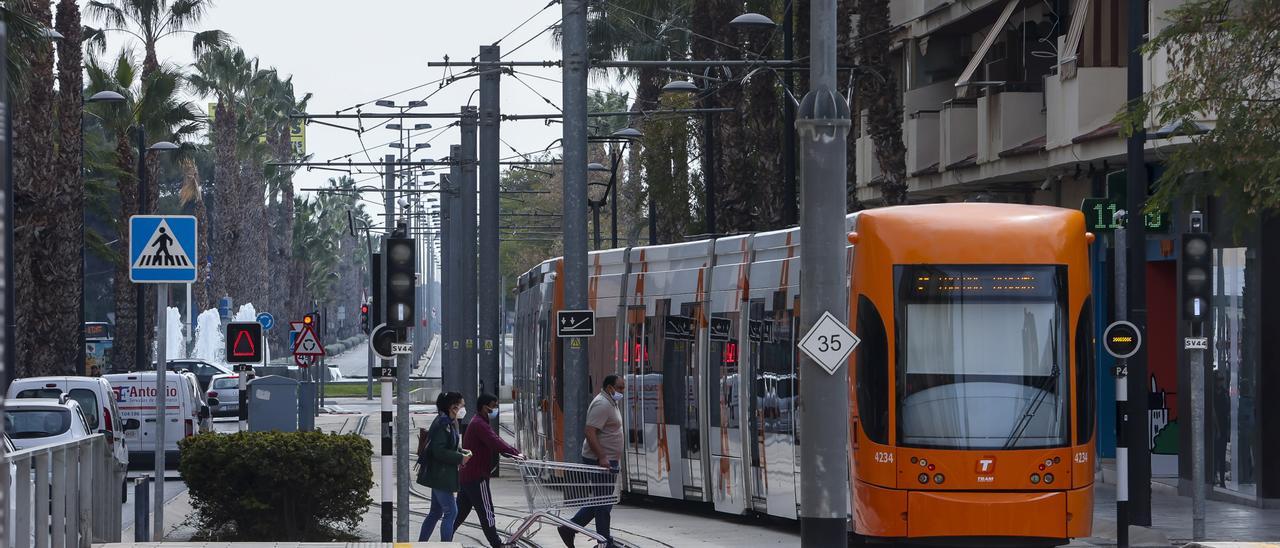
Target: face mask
[493,414]
[461,413]
[618,396]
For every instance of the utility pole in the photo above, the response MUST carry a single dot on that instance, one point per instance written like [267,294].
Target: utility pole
[490,116]
[823,129]
[468,256]
[574,48]
[1136,234]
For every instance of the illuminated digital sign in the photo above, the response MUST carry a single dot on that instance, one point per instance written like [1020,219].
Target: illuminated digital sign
[953,281]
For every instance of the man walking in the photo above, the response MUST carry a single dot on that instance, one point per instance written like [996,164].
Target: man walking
[485,446]
[603,447]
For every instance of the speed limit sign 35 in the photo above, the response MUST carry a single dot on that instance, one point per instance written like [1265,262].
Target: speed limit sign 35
[829,343]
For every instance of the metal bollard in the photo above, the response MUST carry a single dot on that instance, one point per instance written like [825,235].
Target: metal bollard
[141,512]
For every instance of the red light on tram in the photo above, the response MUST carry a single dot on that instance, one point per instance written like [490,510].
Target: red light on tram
[731,352]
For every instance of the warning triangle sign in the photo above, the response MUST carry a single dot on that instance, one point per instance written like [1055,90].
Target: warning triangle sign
[163,250]
[308,344]
[243,347]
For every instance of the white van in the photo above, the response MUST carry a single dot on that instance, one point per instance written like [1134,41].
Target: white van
[185,413]
[96,399]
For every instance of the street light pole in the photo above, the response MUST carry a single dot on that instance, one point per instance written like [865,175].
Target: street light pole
[823,129]
[139,341]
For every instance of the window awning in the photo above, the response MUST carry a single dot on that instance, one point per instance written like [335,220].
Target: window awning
[1068,58]
[966,77]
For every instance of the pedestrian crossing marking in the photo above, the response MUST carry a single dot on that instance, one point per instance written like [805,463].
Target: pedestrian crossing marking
[163,250]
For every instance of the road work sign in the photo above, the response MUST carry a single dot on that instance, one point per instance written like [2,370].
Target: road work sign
[162,249]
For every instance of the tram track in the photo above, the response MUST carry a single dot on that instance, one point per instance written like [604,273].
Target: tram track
[507,512]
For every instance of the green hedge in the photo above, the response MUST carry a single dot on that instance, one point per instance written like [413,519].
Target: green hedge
[277,486]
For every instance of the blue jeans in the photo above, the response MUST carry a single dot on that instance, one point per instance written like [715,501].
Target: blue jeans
[598,513]
[443,507]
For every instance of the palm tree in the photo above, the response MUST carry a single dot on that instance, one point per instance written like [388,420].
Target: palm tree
[193,196]
[34,152]
[879,89]
[153,103]
[224,73]
[150,21]
[281,103]
[649,30]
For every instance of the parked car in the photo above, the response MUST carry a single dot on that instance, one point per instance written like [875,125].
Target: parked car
[225,390]
[204,371]
[185,416]
[34,422]
[96,399]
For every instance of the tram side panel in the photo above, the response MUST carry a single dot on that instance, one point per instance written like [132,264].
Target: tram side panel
[770,355]
[726,413]
[665,439]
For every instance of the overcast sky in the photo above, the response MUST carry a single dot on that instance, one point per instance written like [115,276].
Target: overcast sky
[347,53]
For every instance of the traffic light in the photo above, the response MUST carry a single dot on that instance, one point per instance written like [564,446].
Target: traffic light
[1197,292]
[364,318]
[309,319]
[400,275]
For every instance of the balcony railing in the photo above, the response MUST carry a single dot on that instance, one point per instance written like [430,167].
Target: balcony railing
[64,494]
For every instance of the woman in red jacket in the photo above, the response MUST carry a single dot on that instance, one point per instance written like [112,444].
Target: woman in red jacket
[473,477]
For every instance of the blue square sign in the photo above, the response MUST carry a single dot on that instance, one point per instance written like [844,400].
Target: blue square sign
[162,249]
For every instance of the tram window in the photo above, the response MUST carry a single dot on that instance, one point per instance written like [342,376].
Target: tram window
[1086,374]
[872,372]
[982,359]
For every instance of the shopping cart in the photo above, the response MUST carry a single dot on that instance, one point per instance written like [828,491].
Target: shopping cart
[554,486]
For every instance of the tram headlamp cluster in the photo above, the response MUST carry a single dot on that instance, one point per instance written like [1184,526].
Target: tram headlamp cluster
[1035,479]
[924,478]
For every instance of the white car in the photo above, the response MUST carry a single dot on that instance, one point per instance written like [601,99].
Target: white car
[96,399]
[35,422]
[224,394]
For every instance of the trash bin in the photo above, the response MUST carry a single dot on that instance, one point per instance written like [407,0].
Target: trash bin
[273,404]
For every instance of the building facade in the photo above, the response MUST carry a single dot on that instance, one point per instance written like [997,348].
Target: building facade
[1015,101]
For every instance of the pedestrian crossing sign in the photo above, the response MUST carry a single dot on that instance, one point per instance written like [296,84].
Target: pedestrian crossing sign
[162,249]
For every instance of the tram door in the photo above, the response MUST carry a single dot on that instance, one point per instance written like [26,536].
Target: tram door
[635,354]
[724,407]
[774,388]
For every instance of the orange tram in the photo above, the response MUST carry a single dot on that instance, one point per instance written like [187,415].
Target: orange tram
[972,393]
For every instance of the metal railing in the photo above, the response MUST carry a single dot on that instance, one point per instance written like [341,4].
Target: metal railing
[64,495]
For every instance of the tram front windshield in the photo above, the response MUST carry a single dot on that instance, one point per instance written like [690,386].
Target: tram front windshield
[982,357]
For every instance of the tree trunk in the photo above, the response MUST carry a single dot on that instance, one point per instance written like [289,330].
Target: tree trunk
[228,261]
[281,260]
[122,354]
[35,223]
[846,56]
[879,95]
[61,289]
[763,127]
[191,184]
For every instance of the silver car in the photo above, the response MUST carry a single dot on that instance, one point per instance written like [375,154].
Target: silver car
[225,388]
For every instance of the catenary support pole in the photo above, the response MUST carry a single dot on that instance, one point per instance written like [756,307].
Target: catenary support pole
[448,302]
[489,188]
[823,129]
[467,252]
[162,414]
[1136,234]
[574,48]
[1122,401]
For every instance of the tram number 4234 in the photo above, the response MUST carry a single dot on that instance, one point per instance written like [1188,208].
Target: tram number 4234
[884,457]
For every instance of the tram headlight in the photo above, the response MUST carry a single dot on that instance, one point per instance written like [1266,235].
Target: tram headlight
[924,478]
[939,478]
[1035,479]
[1048,478]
